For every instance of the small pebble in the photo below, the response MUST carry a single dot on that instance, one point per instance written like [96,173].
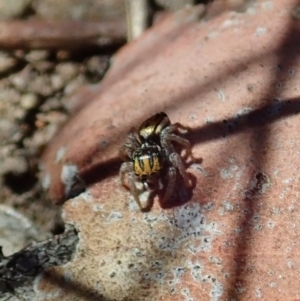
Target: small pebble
[6,62]
[36,55]
[29,101]
[16,165]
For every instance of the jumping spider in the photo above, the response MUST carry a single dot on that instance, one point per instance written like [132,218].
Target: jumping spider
[152,154]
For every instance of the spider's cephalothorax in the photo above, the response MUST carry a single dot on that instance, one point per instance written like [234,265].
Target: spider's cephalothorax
[152,153]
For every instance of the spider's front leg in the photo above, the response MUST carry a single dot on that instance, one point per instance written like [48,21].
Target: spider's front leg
[127,168]
[168,135]
[127,150]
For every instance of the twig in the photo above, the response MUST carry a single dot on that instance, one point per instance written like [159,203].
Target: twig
[32,34]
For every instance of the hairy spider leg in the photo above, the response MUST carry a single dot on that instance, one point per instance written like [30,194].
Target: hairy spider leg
[168,136]
[171,184]
[176,161]
[127,150]
[127,168]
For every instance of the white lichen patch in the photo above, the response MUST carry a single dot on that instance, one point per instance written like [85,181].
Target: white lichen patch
[189,232]
[287,181]
[258,293]
[46,181]
[72,183]
[232,22]
[189,226]
[114,216]
[209,119]
[290,264]
[276,211]
[196,270]
[186,294]
[221,95]
[230,172]
[154,251]
[267,5]
[244,111]
[208,206]
[226,174]
[251,11]
[87,196]
[67,176]
[260,31]
[60,154]
[270,224]
[273,284]
[228,207]
[215,260]
[212,34]
[97,208]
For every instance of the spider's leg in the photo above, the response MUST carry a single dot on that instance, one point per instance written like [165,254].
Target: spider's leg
[127,168]
[171,184]
[178,125]
[176,161]
[168,136]
[133,189]
[185,143]
[127,150]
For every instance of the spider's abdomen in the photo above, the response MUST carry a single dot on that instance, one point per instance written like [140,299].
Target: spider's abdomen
[147,163]
[153,126]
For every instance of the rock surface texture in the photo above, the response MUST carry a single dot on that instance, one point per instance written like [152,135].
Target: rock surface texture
[233,78]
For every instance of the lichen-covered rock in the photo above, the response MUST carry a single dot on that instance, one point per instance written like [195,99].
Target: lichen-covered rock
[233,79]
[16,231]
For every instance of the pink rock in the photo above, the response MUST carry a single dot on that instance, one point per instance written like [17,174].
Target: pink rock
[234,80]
